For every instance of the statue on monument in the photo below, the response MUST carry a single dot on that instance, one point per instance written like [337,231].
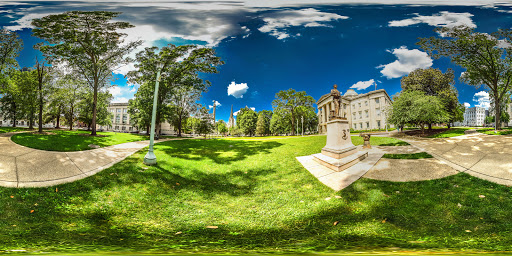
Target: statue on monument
[337,103]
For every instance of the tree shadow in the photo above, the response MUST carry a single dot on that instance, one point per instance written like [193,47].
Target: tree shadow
[219,151]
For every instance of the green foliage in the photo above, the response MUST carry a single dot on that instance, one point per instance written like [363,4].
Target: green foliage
[260,197]
[205,124]
[246,121]
[221,127]
[10,46]
[481,54]
[452,132]
[287,103]
[62,99]
[416,108]
[180,85]
[85,105]
[279,123]
[491,131]
[434,83]
[73,140]
[88,42]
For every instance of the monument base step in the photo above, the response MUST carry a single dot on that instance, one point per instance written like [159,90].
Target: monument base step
[339,165]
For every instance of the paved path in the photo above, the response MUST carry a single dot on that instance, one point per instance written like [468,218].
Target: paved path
[26,167]
[488,157]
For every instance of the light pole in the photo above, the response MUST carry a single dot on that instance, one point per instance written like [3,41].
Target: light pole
[150,158]
[302,118]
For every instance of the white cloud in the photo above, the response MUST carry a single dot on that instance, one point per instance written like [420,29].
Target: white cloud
[122,94]
[408,60]
[442,19]
[482,99]
[361,85]
[277,22]
[216,104]
[236,113]
[237,90]
[467,105]
[26,20]
[120,100]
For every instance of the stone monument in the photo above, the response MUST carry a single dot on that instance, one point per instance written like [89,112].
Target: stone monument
[339,153]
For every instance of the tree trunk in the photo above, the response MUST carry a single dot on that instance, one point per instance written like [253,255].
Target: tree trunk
[94,106]
[179,126]
[293,123]
[71,119]
[422,129]
[14,116]
[40,109]
[497,114]
[31,121]
[449,125]
[147,130]
[430,126]
[58,122]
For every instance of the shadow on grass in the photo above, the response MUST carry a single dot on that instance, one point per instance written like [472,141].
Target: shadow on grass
[219,151]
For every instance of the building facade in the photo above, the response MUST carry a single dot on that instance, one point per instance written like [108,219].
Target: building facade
[475,116]
[363,111]
[121,120]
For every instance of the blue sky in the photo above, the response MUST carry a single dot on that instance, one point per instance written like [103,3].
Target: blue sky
[268,46]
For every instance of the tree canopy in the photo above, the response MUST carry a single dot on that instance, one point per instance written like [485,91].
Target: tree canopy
[287,103]
[87,41]
[486,57]
[433,82]
[246,121]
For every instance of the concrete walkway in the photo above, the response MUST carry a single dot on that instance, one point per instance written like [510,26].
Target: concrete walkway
[26,167]
[488,157]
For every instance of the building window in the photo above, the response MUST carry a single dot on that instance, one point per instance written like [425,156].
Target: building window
[366,103]
[361,125]
[353,105]
[354,114]
[118,118]
[377,110]
[130,129]
[355,126]
[116,128]
[377,101]
[125,119]
[360,115]
[367,125]
[378,123]
[359,104]
[118,110]
[123,128]
[0,122]
[366,113]
[125,110]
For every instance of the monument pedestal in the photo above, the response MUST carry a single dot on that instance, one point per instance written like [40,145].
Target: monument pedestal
[339,153]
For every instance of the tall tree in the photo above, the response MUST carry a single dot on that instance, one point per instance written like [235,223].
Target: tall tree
[280,122]
[221,127]
[183,102]
[289,101]
[246,121]
[486,57]
[43,82]
[26,83]
[182,66]
[11,102]
[85,106]
[416,108]
[10,46]
[89,42]
[434,82]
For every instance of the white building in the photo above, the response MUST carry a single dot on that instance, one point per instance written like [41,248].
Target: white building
[121,120]
[474,116]
[363,111]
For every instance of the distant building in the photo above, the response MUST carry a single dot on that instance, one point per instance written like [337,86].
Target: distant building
[509,111]
[475,116]
[121,120]
[231,121]
[363,111]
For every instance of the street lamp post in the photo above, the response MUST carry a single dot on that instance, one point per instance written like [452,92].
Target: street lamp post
[302,118]
[150,158]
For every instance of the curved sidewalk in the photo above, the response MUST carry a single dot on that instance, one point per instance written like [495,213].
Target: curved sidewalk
[487,157]
[27,167]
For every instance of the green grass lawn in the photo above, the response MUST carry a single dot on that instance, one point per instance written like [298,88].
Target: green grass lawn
[490,131]
[11,129]
[452,132]
[72,140]
[420,155]
[248,196]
